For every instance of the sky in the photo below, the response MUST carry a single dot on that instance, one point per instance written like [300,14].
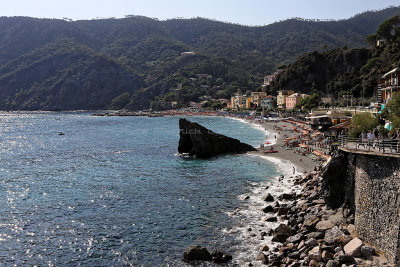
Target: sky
[245,12]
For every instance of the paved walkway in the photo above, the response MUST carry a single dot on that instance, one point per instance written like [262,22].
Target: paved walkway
[379,147]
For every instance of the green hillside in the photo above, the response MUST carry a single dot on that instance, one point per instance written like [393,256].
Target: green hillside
[343,70]
[58,64]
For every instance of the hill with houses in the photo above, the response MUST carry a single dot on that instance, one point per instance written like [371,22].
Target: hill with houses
[138,62]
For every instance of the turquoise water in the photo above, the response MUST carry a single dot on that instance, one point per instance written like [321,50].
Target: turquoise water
[112,191]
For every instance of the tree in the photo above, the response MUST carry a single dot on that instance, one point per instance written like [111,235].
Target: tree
[310,102]
[362,122]
[371,40]
[389,29]
[392,111]
[120,101]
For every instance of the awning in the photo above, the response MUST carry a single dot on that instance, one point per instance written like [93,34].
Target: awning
[382,107]
[390,72]
[318,117]
[343,125]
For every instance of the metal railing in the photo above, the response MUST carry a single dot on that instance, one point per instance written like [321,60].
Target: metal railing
[380,145]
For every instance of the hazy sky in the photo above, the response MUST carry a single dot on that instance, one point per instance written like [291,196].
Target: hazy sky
[247,12]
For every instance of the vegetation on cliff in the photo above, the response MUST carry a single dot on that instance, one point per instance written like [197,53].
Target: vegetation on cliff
[345,71]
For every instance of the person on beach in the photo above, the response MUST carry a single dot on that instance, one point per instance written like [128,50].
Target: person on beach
[294,170]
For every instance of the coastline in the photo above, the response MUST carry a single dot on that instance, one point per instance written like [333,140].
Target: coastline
[254,224]
[286,222]
[301,163]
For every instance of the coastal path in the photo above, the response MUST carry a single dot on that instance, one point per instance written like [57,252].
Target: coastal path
[376,146]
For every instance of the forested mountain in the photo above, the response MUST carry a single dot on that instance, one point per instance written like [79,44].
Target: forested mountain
[345,71]
[60,64]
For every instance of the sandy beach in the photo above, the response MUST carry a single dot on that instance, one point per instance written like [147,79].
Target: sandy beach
[276,139]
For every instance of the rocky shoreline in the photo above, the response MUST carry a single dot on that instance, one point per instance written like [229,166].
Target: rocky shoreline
[308,233]
[312,235]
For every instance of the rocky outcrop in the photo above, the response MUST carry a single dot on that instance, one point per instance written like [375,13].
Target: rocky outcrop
[200,142]
[219,256]
[338,182]
[199,253]
[196,253]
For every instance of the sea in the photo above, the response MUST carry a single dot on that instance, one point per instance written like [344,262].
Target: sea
[113,191]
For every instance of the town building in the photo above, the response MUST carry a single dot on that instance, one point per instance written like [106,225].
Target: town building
[257,97]
[292,101]
[188,53]
[249,102]
[238,101]
[388,84]
[323,119]
[268,102]
[269,78]
[380,42]
[281,98]
[326,100]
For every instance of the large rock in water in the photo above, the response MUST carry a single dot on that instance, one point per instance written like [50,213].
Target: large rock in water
[200,142]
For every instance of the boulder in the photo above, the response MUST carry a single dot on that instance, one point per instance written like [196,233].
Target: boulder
[220,256]
[282,232]
[313,263]
[315,254]
[268,209]
[367,251]
[331,234]
[196,253]
[283,211]
[265,248]
[333,263]
[342,240]
[353,248]
[311,242]
[294,255]
[295,239]
[286,196]
[318,202]
[335,184]
[269,198]
[200,142]
[310,222]
[326,256]
[322,226]
[263,258]
[316,235]
[345,259]
[271,219]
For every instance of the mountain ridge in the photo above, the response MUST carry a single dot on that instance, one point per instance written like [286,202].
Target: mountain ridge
[146,56]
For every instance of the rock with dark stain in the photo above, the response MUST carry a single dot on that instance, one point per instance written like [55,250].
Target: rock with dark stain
[200,142]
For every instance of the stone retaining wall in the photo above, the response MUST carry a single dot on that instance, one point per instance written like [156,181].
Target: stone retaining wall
[376,189]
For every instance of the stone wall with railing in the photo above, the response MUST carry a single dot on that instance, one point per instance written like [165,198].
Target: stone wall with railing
[371,185]
[377,202]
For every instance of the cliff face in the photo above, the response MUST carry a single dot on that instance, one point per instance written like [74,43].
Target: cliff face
[200,142]
[338,181]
